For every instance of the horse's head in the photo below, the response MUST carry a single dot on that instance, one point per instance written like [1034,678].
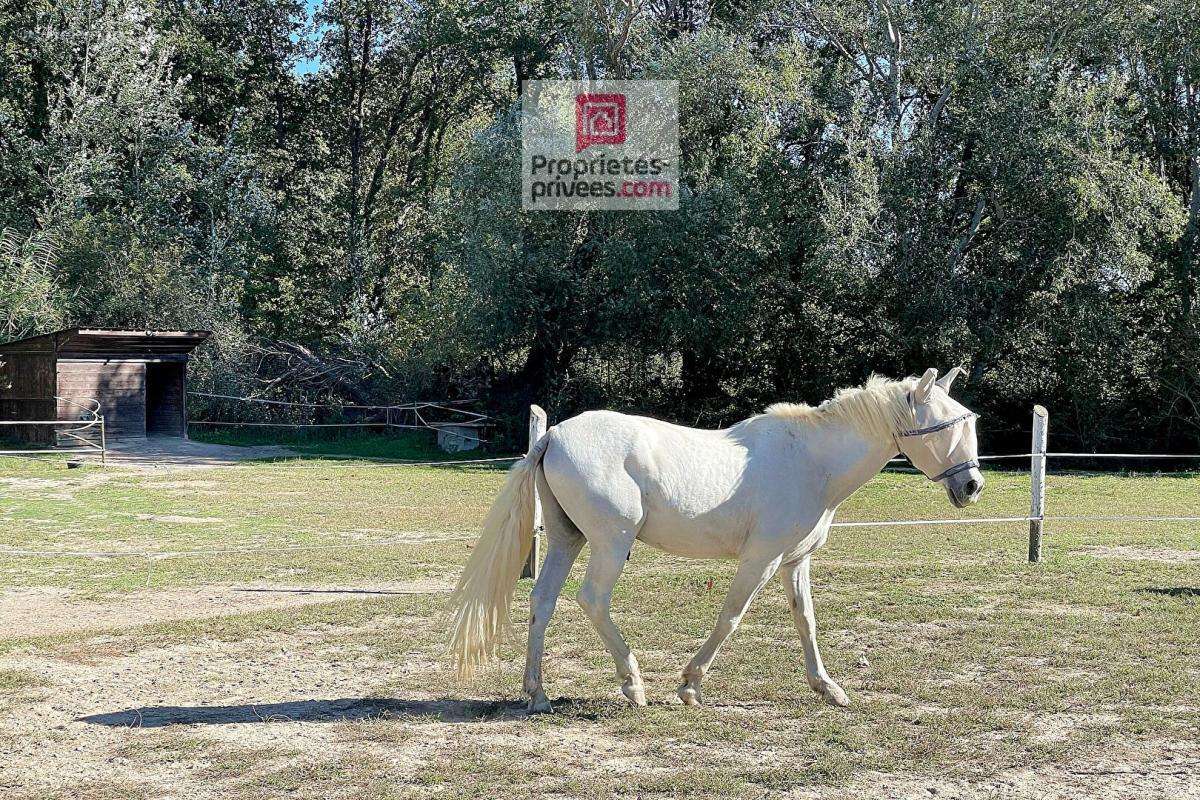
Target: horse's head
[941,438]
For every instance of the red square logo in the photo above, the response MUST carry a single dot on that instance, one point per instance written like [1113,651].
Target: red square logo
[599,119]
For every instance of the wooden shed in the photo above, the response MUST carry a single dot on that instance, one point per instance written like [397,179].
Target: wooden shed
[139,379]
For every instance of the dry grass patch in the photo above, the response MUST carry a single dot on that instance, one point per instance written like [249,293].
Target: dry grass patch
[17,680]
[1129,553]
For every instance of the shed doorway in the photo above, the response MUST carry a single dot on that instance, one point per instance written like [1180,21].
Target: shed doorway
[137,377]
[165,400]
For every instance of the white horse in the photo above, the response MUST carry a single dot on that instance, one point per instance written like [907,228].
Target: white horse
[763,491]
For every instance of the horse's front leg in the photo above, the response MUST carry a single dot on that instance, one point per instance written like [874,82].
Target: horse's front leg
[799,592]
[751,576]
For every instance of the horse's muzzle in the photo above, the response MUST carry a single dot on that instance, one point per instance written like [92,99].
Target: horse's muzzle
[965,487]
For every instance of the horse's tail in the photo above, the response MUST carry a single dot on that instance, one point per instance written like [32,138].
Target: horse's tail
[479,605]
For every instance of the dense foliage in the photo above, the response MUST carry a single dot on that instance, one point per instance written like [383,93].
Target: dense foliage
[881,186]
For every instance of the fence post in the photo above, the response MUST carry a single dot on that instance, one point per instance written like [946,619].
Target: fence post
[537,429]
[103,444]
[1037,484]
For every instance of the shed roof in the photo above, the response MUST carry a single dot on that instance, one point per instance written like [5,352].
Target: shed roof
[111,340]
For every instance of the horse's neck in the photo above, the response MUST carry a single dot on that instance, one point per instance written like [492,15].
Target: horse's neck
[850,458]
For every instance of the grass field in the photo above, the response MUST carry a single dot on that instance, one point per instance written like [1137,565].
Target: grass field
[319,673]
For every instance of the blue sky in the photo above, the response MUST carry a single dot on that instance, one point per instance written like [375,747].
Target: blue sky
[307,66]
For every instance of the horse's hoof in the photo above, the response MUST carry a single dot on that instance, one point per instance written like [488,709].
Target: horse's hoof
[635,694]
[689,694]
[834,695]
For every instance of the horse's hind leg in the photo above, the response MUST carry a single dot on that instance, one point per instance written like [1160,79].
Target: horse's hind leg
[609,518]
[564,541]
[605,563]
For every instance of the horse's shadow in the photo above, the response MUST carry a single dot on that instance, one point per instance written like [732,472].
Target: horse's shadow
[347,709]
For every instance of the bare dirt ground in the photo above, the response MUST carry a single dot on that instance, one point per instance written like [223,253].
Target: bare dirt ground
[45,611]
[169,452]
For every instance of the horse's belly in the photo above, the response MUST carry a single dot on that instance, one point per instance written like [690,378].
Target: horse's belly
[691,538]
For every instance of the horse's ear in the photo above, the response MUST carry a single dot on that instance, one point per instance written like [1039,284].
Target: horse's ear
[924,388]
[947,380]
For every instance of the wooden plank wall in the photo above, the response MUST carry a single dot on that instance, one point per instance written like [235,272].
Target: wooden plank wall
[165,399]
[27,393]
[120,386]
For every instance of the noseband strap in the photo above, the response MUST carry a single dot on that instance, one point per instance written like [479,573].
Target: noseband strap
[957,468]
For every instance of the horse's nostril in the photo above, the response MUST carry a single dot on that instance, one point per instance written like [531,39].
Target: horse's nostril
[972,487]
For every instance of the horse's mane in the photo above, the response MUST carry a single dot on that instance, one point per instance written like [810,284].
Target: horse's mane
[879,407]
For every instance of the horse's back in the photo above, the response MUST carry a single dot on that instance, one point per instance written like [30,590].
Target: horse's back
[598,443]
[675,486]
